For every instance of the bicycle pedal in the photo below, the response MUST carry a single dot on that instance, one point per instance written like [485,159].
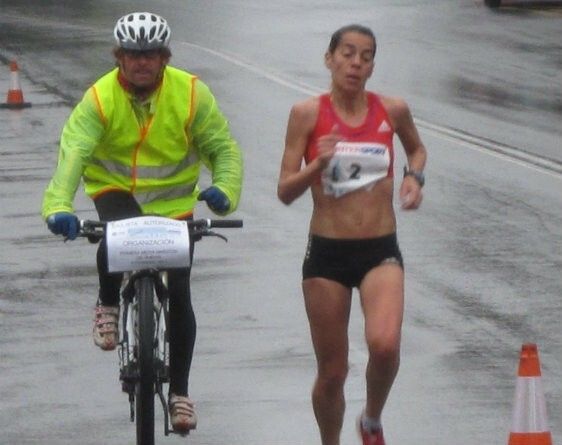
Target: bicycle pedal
[127,387]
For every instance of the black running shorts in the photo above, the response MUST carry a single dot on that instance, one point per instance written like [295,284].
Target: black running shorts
[347,261]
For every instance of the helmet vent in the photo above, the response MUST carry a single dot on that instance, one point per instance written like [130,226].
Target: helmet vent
[142,31]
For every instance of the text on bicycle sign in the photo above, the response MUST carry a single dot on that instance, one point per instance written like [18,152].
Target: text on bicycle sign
[147,242]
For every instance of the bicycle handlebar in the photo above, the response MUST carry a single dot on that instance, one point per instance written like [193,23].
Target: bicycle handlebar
[215,223]
[95,230]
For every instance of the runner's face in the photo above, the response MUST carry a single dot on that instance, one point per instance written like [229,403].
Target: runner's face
[352,62]
[142,68]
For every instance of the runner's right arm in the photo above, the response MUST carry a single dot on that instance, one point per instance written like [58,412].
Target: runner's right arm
[294,179]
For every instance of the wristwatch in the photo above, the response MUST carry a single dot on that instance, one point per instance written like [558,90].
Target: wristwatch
[416,174]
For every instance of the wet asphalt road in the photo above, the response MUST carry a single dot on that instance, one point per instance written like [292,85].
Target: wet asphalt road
[483,255]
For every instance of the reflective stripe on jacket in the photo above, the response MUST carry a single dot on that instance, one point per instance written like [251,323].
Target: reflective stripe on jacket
[152,160]
[158,158]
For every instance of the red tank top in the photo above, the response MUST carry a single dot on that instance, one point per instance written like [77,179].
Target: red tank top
[376,128]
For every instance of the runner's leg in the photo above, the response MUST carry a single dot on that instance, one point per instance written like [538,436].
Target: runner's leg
[382,301]
[328,306]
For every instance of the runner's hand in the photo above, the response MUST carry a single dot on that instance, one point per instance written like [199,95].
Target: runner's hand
[63,223]
[215,198]
[410,194]
[327,145]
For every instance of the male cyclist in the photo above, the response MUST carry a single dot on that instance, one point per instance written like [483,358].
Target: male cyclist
[137,140]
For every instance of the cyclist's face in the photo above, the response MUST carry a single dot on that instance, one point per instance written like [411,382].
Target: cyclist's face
[352,61]
[142,68]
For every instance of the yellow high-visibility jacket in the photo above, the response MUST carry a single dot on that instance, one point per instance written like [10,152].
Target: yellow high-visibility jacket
[153,150]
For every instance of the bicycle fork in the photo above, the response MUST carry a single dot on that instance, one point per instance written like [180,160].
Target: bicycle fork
[128,363]
[161,347]
[128,370]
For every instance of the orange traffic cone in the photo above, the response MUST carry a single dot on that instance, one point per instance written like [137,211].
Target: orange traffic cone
[529,423]
[14,100]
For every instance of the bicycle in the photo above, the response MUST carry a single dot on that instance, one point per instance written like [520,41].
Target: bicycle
[144,344]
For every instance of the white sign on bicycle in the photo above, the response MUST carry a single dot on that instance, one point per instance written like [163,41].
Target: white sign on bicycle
[147,242]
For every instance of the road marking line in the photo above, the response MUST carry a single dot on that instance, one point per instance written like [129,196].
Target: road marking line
[236,60]
[513,154]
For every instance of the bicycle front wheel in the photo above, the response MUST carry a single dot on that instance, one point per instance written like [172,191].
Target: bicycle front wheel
[144,388]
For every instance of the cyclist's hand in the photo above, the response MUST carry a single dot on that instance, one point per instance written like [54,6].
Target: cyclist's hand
[63,223]
[216,199]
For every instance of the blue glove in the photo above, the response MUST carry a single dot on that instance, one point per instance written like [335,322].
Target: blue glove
[216,199]
[63,223]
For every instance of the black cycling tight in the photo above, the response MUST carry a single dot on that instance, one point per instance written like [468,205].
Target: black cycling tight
[116,205]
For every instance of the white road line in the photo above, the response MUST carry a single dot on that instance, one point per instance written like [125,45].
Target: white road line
[491,148]
[236,60]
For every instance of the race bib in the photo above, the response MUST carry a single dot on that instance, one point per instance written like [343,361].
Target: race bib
[355,165]
[147,242]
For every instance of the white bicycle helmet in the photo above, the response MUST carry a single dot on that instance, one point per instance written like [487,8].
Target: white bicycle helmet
[142,31]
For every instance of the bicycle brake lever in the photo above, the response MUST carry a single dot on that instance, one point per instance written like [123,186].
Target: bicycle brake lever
[211,233]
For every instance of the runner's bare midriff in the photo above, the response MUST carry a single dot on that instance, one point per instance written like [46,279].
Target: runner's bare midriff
[360,214]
